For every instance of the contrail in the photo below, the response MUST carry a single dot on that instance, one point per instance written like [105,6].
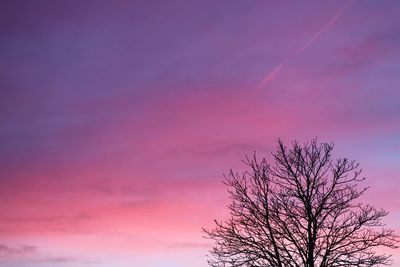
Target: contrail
[326,27]
[275,71]
[270,76]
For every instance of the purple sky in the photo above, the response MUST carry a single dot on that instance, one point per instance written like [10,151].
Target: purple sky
[117,118]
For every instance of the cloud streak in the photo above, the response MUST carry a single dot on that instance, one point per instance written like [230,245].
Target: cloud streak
[276,70]
[270,76]
[325,27]
[122,117]
[17,250]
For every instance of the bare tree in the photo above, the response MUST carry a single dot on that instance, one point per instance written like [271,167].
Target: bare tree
[302,210]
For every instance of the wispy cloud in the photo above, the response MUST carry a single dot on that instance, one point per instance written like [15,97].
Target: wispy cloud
[120,122]
[56,260]
[59,219]
[22,250]
[189,245]
[6,250]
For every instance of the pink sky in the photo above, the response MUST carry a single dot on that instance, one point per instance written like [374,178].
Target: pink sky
[118,118]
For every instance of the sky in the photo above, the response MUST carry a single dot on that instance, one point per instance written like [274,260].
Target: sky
[118,118]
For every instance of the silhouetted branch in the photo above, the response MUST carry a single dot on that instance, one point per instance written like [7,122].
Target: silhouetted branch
[300,211]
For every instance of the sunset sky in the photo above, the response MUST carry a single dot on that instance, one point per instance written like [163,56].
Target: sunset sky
[118,118]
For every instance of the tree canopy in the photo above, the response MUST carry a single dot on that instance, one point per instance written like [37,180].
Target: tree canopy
[301,209]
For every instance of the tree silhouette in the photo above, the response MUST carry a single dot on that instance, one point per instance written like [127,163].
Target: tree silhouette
[299,211]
